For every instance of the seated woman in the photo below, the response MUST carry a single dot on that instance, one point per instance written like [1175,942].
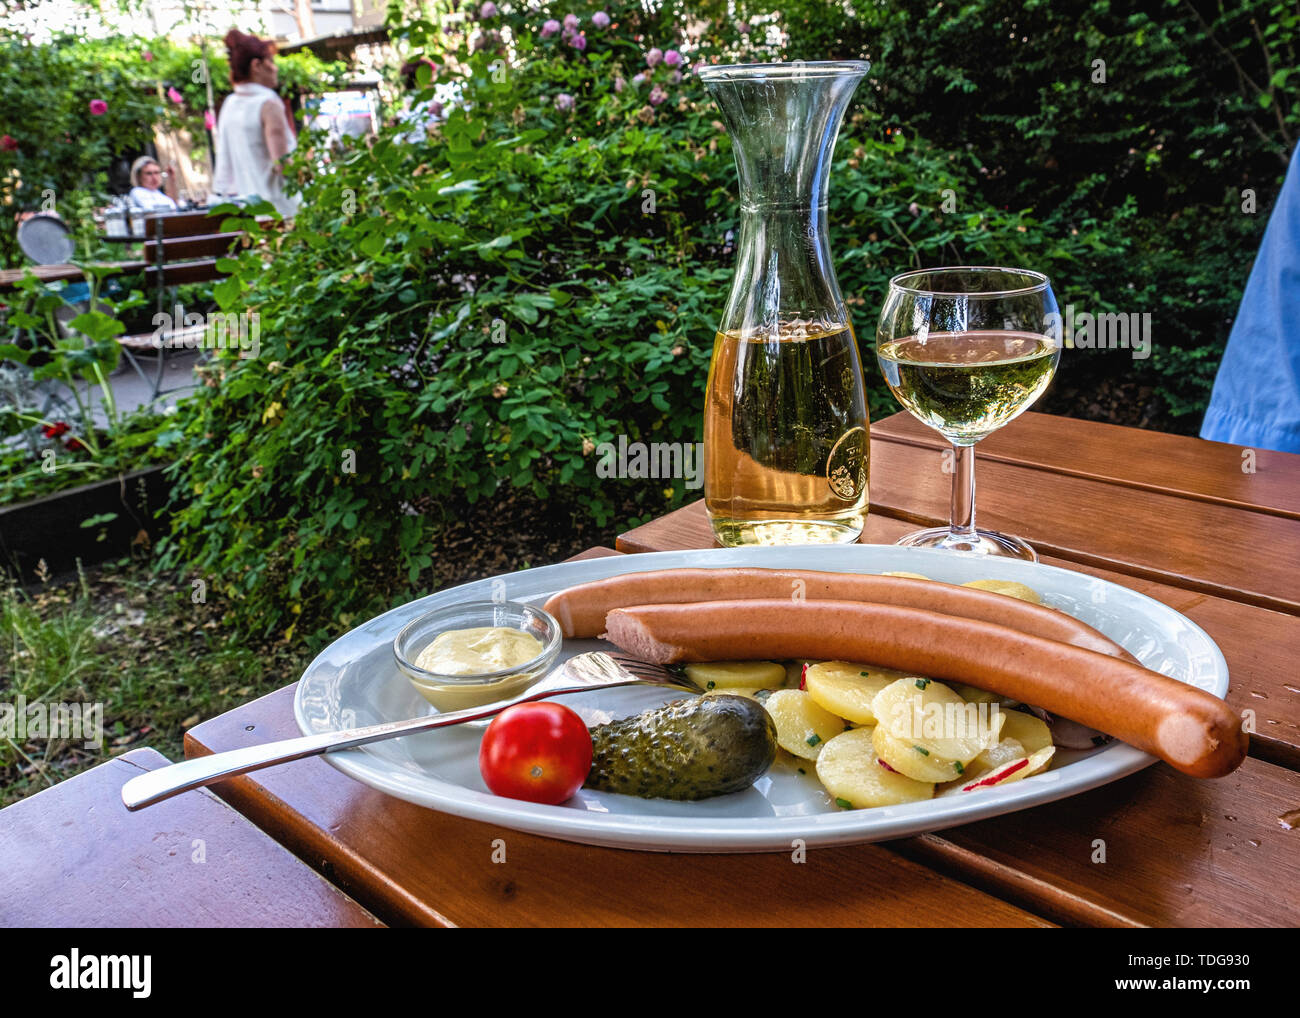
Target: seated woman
[253,132]
[147,191]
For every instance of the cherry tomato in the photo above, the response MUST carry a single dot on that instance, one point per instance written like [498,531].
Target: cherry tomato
[539,752]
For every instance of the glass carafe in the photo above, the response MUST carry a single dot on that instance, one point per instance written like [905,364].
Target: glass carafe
[786,450]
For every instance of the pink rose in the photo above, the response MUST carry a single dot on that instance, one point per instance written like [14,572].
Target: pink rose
[8,143]
[209,121]
[148,57]
[654,56]
[600,19]
[549,28]
[564,102]
[578,42]
[571,21]
[657,95]
[638,80]
[98,107]
[488,10]
[675,77]
[672,58]
[619,85]
[175,96]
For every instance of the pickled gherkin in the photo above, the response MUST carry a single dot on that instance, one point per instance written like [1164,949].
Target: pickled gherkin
[687,749]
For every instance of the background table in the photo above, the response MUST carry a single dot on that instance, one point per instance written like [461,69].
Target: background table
[1175,518]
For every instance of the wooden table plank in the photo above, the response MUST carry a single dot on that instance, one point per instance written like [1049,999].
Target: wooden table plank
[73,856]
[412,865]
[1259,645]
[1155,849]
[1243,556]
[66,271]
[1260,480]
[1179,852]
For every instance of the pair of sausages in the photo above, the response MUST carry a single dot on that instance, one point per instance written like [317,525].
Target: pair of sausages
[1076,678]
[581,610]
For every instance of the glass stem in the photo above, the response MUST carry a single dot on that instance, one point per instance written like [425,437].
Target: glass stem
[961,525]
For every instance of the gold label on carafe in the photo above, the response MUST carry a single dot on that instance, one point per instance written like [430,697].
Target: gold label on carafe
[846,467]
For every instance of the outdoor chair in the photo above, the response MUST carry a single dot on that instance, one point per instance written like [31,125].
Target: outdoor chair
[180,248]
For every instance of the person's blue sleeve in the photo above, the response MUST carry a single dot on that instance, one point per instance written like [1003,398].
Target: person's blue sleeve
[1256,397]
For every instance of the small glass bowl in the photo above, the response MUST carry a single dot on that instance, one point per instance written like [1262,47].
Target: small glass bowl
[457,692]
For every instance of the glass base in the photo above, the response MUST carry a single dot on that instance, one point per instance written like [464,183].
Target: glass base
[733,533]
[984,542]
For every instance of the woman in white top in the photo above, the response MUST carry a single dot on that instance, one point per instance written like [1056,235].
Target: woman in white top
[253,133]
[147,186]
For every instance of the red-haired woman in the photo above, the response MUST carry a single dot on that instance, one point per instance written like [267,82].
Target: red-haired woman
[253,132]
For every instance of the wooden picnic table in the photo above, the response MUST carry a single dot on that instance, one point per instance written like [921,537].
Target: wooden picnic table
[9,278]
[1210,529]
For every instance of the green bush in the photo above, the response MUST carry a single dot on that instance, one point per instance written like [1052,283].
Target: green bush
[453,320]
[1200,102]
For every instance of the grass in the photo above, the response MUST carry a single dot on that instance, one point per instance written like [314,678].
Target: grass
[136,644]
[131,639]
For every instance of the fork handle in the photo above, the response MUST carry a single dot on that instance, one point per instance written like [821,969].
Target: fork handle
[155,786]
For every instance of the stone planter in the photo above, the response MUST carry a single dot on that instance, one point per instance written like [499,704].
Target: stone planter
[49,527]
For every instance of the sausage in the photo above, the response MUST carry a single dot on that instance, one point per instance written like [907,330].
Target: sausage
[1187,727]
[581,610]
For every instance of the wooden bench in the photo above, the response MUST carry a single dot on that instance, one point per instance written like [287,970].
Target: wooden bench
[179,248]
[73,856]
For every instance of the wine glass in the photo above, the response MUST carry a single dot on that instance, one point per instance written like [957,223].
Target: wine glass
[966,350]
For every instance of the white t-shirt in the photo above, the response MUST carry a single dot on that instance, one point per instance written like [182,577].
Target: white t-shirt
[244,164]
[150,201]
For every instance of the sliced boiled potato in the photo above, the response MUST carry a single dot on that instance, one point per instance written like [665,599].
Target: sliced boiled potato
[1040,760]
[1004,774]
[927,714]
[802,727]
[1008,587]
[914,760]
[850,770]
[1005,752]
[737,674]
[1028,730]
[847,689]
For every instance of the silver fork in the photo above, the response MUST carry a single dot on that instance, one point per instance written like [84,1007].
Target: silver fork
[597,670]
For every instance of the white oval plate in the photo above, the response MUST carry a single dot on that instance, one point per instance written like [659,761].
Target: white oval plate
[355,681]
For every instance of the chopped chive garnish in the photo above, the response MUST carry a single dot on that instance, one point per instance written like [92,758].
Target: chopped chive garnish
[709,685]
[922,683]
[923,752]
[960,768]
[813,739]
[865,675]
[843,803]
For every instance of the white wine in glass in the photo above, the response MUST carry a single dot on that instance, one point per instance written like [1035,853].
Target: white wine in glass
[965,351]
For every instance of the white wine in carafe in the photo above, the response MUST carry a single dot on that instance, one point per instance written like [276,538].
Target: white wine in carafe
[786,437]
